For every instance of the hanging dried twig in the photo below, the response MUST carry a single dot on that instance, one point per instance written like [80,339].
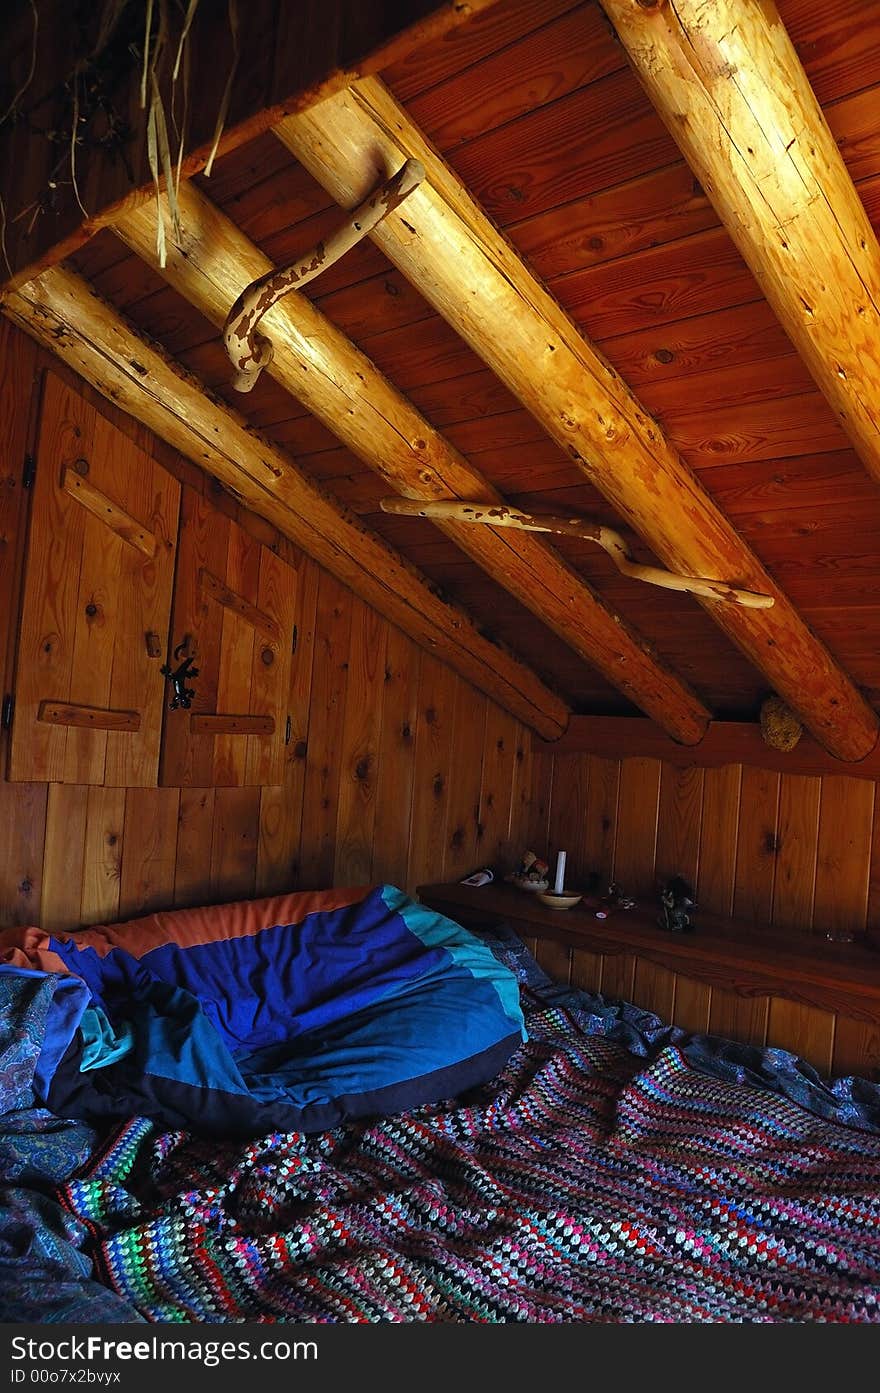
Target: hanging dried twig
[227,91]
[500,515]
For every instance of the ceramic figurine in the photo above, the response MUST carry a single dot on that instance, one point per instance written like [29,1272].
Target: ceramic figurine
[677,899]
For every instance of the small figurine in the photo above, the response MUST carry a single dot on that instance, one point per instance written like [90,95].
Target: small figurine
[185,672]
[677,898]
[530,874]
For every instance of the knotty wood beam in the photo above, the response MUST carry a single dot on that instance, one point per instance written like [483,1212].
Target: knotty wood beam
[446,246]
[727,82]
[61,311]
[320,366]
[725,742]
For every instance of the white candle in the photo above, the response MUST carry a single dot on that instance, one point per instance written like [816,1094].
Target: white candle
[560,873]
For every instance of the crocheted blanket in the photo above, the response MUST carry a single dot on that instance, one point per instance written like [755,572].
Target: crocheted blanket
[582,1184]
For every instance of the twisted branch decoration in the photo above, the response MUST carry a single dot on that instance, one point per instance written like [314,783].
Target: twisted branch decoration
[250,351]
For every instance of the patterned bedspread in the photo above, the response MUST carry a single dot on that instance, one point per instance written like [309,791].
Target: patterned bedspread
[584,1184]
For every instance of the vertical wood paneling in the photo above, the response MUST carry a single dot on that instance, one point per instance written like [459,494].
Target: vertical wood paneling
[636,840]
[103,853]
[654,988]
[586,970]
[568,819]
[23,818]
[756,845]
[618,972]
[521,793]
[555,959]
[431,774]
[463,849]
[234,843]
[540,804]
[736,1017]
[149,850]
[693,1002]
[329,682]
[721,793]
[856,1048]
[359,751]
[796,862]
[195,835]
[678,831]
[805,1030]
[496,789]
[600,823]
[64,859]
[18,393]
[394,785]
[843,867]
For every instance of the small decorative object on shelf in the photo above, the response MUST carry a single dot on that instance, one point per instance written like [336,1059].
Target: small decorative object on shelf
[482,877]
[677,899]
[530,874]
[612,900]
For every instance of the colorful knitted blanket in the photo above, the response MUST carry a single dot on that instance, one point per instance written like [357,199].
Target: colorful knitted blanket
[582,1184]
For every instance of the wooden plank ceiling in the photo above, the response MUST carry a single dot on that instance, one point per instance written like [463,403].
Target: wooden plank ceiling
[535,108]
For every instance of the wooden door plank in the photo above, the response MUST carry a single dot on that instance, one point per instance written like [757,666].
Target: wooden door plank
[359,750]
[103,852]
[431,773]
[270,679]
[88,718]
[796,863]
[195,835]
[718,833]
[149,850]
[464,850]
[281,807]
[394,785]
[64,857]
[187,759]
[806,1031]
[152,495]
[329,681]
[237,645]
[756,845]
[23,815]
[230,599]
[636,839]
[254,727]
[846,817]
[128,529]
[234,844]
[46,643]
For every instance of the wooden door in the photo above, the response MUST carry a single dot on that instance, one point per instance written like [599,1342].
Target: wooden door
[97,599]
[233,620]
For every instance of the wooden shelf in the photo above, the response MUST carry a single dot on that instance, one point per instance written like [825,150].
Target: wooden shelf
[839,977]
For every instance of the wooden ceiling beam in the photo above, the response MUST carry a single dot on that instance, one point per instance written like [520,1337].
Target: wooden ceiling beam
[446,246]
[322,368]
[728,84]
[62,311]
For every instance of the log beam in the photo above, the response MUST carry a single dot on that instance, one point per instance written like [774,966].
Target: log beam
[322,368]
[728,84]
[61,311]
[448,249]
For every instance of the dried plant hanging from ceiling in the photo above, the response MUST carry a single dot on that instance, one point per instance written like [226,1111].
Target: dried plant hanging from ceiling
[138,46]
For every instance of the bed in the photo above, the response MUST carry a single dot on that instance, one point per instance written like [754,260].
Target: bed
[433,1131]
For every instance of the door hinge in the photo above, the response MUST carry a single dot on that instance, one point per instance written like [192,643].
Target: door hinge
[29,472]
[288,729]
[295,639]
[6,711]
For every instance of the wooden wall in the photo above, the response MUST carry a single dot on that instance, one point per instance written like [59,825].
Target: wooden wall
[788,850]
[396,769]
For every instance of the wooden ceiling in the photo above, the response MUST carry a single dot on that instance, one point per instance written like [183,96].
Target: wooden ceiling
[536,109]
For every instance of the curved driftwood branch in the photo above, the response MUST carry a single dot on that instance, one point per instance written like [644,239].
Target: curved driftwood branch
[250,351]
[500,515]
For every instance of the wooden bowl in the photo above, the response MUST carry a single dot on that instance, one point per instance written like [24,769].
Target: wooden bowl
[560,901]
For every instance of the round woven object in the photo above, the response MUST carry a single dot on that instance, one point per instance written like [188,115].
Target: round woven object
[780,727]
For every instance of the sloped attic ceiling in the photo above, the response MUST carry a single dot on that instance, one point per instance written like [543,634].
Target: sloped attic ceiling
[535,108]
